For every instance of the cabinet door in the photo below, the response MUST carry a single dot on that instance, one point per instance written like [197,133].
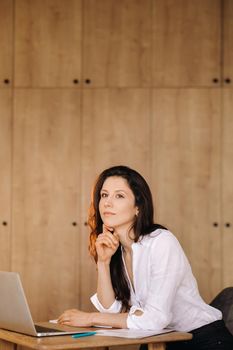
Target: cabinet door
[5,176]
[46,192]
[6,41]
[117,43]
[228,41]
[186,176]
[47,43]
[227,188]
[186,42]
[116,130]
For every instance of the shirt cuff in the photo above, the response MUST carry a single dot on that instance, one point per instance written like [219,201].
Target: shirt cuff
[146,321]
[130,319]
[114,308]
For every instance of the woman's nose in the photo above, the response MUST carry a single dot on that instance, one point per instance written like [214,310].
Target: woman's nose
[108,202]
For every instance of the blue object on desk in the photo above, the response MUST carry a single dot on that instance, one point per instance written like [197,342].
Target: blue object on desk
[85,334]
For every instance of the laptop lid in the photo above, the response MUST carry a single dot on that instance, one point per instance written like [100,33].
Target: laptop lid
[15,314]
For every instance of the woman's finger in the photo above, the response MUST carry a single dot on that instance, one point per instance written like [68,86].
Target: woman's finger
[107,241]
[107,229]
[110,236]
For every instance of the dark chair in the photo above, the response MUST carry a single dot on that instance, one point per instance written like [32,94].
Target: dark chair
[224,302]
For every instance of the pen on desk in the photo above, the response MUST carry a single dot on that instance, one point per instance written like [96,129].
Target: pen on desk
[85,334]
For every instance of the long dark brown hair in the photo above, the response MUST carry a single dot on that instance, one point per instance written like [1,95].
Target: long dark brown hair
[143,224]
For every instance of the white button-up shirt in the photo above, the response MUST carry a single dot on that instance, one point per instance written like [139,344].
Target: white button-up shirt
[165,289]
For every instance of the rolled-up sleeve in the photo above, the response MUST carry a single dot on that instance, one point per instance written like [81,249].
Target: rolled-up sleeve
[114,308]
[166,268]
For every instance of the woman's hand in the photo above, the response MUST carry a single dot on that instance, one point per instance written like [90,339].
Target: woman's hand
[106,244]
[75,318]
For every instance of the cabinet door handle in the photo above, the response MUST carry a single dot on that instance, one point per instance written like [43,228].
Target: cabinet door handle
[88,81]
[227,224]
[227,80]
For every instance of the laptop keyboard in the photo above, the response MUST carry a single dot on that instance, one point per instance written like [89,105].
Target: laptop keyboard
[41,329]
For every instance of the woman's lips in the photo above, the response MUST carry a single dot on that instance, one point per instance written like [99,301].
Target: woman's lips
[108,213]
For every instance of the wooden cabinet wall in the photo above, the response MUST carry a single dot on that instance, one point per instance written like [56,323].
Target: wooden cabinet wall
[227,188]
[86,84]
[6,42]
[137,43]
[227,10]
[117,43]
[47,43]
[186,165]
[46,202]
[186,43]
[5,177]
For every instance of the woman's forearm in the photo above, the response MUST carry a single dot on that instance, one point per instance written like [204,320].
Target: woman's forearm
[78,318]
[105,291]
[113,320]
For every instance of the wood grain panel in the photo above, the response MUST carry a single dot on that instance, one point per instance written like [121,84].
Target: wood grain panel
[47,43]
[6,345]
[5,176]
[186,176]
[228,41]
[116,125]
[117,43]
[45,242]
[94,343]
[186,42]
[227,188]
[6,42]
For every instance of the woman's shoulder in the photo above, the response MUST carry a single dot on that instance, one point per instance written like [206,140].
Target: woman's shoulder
[166,246]
[160,236]
[160,233]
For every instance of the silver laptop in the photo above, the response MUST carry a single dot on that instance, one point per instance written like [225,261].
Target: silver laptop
[15,314]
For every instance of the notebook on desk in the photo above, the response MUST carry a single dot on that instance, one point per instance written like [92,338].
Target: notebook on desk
[15,314]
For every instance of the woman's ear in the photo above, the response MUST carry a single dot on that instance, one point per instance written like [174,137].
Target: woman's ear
[137,211]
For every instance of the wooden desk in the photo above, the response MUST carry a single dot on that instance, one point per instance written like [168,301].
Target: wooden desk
[10,340]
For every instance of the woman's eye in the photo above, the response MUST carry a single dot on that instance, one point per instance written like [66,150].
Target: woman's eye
[103,195]
[119,195]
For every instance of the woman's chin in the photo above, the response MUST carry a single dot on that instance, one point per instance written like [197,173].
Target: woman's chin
[109,223]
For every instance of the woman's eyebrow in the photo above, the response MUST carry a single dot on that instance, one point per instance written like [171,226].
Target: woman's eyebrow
[103,190]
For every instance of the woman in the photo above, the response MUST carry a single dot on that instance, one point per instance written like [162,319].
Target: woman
[144,278]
